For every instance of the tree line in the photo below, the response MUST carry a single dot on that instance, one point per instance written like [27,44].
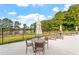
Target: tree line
[68,19]
[7,24]
[12,26]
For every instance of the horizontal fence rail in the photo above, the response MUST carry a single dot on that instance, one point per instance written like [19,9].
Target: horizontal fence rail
[8,35]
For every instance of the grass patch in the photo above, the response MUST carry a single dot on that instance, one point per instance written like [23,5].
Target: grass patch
[16,38]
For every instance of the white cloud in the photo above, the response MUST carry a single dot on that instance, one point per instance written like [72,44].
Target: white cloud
[66,7]
[38,5]
[30,18]
[56,9]
[12,13]
[22,4]
[26,5]
[2,17]
[39,1]
[49,17]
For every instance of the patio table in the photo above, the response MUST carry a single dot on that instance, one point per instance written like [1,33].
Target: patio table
[39,45]
[39,40]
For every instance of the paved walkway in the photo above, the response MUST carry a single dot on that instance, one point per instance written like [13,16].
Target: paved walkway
[68,46]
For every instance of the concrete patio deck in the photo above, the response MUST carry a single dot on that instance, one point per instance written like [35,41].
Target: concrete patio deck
[68,46]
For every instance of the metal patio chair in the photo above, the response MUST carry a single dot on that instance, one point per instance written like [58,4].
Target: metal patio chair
[39,47]
[46,41]
[59,35]
[29,43]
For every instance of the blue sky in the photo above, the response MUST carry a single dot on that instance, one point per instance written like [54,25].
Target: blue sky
[27,13]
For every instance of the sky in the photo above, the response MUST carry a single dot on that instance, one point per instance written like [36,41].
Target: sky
[27,13]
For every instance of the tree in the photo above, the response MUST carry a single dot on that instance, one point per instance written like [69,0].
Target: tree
[16,26]
[24,28]
[33,26]
[59,17]
[74,11]
[68,19]
[0,23]
[7,24]
[46,25]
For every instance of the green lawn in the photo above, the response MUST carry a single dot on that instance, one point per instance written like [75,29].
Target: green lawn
[27,36]
[16,38]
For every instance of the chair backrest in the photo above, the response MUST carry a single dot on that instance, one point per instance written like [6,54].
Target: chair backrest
[46,38]
[39,44]
[28,41]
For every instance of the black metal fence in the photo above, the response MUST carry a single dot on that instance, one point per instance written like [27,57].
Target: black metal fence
[8,35]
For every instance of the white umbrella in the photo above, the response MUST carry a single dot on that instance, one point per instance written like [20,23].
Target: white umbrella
[76,28]
[61,28]
[38,27]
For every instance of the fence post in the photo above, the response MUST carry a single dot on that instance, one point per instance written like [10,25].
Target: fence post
[2,35]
